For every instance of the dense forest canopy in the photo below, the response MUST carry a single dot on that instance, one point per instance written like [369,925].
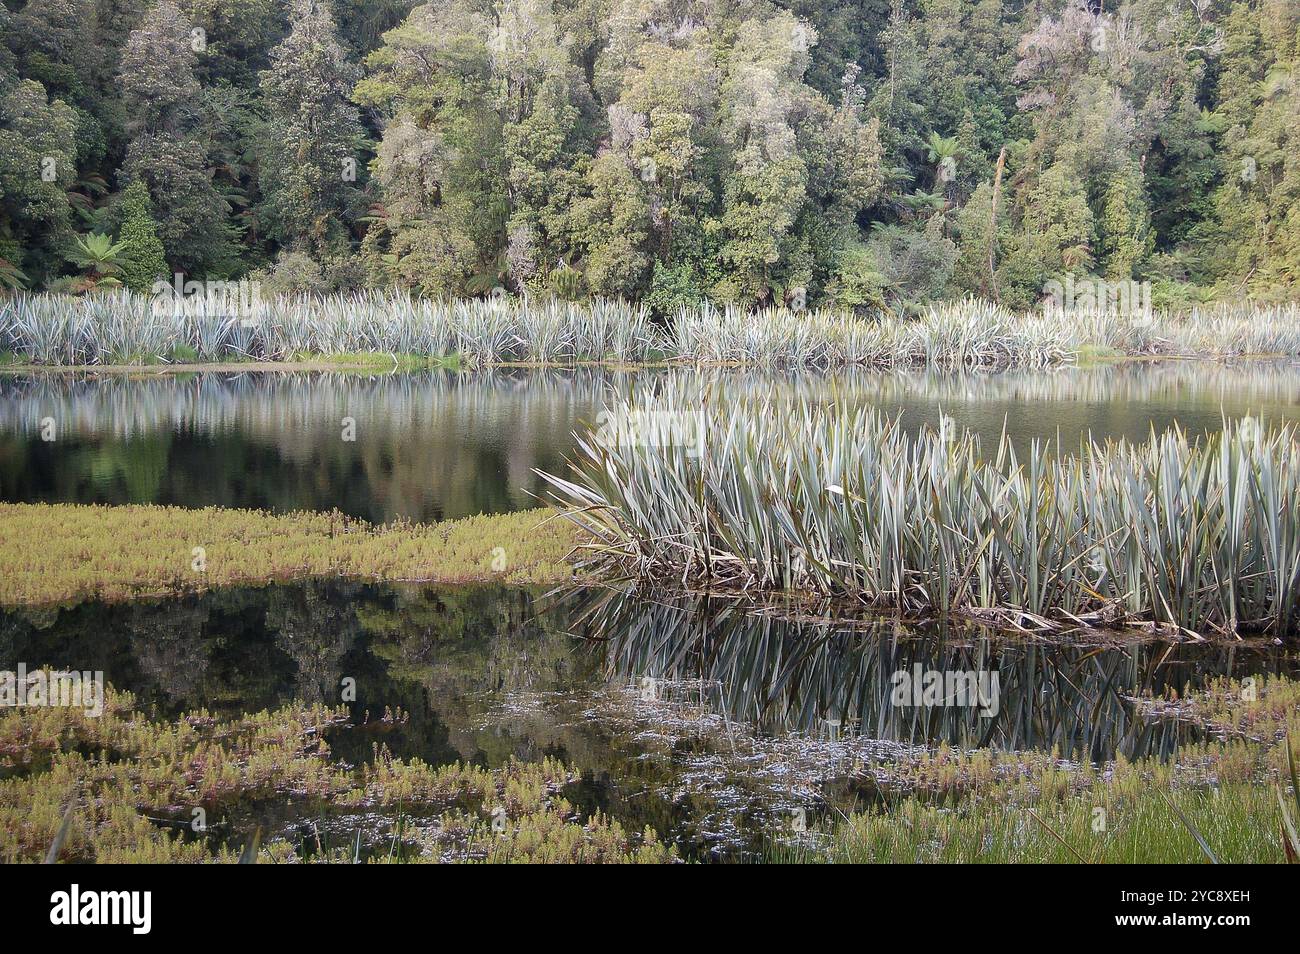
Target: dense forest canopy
[859,154]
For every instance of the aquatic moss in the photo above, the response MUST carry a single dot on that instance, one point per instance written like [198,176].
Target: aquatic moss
[62,552]
[136,784]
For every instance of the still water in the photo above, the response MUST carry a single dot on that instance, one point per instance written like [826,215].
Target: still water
[438,444]
[696,716]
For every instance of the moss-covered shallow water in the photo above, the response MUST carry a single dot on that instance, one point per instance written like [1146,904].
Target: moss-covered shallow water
[398,720]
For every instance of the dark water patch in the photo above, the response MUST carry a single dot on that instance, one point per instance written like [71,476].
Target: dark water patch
[427,446]
[825,681]
[714,726]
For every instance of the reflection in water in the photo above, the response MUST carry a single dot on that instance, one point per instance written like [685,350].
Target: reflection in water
[438,444]
[820,680]
[483,674]
[428,446]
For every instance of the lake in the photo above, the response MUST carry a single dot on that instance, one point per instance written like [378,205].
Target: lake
[710,719]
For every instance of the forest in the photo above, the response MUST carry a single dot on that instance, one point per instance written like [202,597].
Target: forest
[857,155]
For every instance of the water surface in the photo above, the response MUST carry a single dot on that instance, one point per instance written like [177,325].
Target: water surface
[695,716]
[439,444]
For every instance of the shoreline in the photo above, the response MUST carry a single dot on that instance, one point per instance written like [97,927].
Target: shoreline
[435,364]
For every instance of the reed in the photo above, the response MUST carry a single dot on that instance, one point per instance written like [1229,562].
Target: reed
[718,490]
[120,327]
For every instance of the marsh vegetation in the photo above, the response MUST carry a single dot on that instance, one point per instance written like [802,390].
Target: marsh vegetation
[54,553]
[1197,532]
[122,328]
[499,724]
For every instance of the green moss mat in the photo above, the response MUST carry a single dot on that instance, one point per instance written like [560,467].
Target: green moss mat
[57,552]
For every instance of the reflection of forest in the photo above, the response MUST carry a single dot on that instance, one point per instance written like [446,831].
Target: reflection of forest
[784,676]
[429,446]
[426,651]
[437,444]
[482,674]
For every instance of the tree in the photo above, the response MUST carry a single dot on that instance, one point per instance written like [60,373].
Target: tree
[616,224]
[37,166]
[142,261]
[159,90]
[97,255]
[309,149]
[169,151]
[1250,235]
[439,163]
[193,220]
[1124,228]
[667,150]
[765,188]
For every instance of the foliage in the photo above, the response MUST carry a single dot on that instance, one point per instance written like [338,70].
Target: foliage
[754,492]
[98,255]
[308,163]
[734,154]
[142,261]
[238,324]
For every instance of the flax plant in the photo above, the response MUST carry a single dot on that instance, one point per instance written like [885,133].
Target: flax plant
[746,491]
[122,327]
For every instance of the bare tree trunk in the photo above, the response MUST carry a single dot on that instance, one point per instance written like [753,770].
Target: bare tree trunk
[993,222]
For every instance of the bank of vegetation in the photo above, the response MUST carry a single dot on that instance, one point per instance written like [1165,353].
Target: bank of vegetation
[122,328]
[63,552]
[1197,534]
